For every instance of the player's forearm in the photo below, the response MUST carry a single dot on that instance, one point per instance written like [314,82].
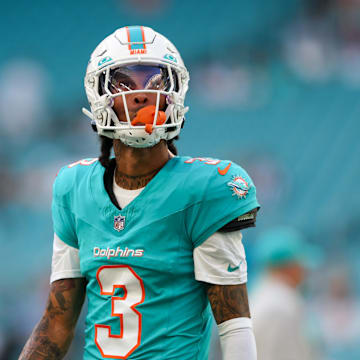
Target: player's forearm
[48,341]
[231,311]
[228,302]
[52,336]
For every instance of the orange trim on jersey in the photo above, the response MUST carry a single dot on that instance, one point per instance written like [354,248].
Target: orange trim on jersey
[84,162]
[102,292]
[207,161]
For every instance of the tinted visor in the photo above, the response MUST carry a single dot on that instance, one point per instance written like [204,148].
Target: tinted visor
[138,77]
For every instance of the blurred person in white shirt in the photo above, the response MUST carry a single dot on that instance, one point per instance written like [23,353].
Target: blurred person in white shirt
[336,312]
[277,304]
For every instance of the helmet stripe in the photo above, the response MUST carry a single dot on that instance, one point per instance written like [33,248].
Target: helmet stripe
[128,36]
[143,36]
[136,35]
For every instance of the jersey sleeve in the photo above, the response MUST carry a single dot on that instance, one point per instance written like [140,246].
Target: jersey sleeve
[225,198]
[221,259]
[63,218]
[65,261]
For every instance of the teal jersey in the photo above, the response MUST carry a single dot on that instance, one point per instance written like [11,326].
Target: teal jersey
[143,299]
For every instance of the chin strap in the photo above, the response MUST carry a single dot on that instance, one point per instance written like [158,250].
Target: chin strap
[89,114]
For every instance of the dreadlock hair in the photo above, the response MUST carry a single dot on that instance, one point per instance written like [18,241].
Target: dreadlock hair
[107,144]
[171,145]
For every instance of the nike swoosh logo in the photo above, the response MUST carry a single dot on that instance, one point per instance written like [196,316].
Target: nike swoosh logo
[224,171]
[231,269]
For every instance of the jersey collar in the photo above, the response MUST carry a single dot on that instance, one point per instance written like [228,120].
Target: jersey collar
[101,187]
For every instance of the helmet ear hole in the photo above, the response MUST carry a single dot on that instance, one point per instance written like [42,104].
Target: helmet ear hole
[101,84]
[176,79]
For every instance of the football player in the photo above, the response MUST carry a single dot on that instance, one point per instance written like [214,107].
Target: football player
[153,239]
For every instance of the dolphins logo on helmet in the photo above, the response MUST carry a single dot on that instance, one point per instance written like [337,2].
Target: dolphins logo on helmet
[131,46]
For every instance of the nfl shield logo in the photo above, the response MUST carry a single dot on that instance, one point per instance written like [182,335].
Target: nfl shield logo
[119,222]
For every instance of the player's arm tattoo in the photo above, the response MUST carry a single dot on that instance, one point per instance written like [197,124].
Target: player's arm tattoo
[53,334]
[228,301]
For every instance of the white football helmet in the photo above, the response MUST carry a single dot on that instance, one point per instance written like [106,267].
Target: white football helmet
[132,46]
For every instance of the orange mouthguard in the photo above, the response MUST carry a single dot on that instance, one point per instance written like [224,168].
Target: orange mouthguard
[146,116]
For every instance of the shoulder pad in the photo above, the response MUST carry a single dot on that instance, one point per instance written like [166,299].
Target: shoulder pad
[71,174]
[219,176]
[220,192]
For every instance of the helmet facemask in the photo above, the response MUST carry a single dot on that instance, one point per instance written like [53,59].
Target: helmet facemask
[159,84]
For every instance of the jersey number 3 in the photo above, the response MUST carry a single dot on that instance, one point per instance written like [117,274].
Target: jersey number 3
[110,278]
